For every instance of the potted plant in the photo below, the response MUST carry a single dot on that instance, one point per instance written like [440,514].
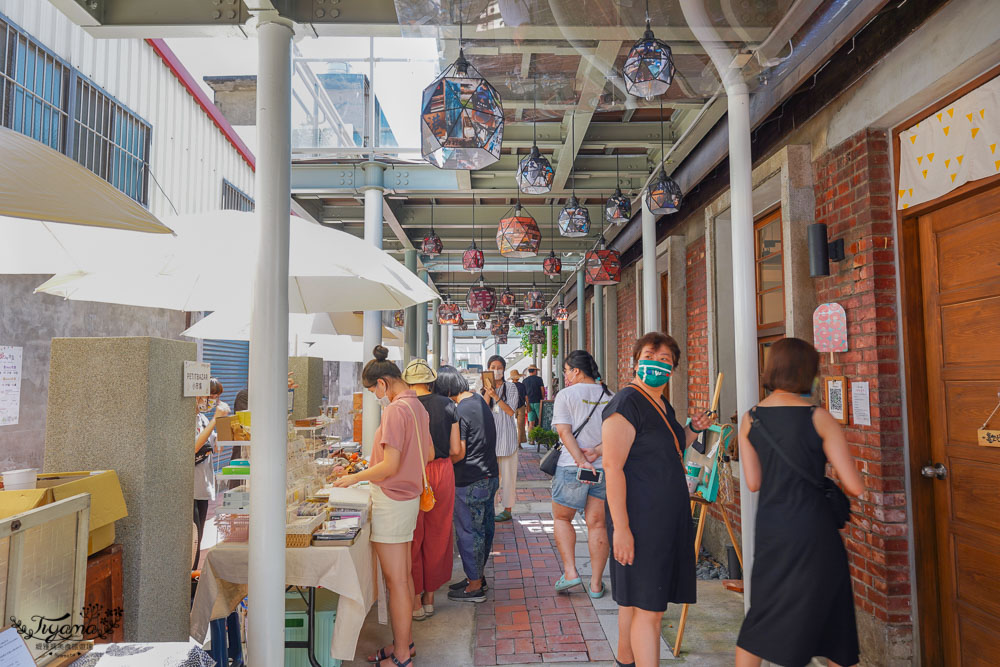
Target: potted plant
[543,436]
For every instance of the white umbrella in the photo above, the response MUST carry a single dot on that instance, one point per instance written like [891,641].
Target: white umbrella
[39,183]
[345,348]
[234,324]
[209,263]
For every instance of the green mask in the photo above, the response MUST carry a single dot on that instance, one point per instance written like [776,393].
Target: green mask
[653,373]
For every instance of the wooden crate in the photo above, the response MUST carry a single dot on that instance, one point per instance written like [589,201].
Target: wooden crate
[104,590]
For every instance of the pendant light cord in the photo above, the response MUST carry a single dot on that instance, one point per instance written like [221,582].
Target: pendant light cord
[534,118]
[572,148]
[663,154]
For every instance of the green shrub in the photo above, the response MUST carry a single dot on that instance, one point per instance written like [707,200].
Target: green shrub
[543,436]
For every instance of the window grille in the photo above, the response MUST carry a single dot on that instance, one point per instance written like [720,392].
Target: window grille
[234,199]
[34,88]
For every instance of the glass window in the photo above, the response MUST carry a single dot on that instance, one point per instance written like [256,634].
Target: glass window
[770,271]
[234,199]
[32,83]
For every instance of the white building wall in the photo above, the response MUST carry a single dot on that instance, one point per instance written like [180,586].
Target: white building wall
[189,156]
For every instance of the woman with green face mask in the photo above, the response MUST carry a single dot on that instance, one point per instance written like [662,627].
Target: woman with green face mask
[648,512]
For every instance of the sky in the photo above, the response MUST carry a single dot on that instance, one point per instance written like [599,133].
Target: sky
[398,85]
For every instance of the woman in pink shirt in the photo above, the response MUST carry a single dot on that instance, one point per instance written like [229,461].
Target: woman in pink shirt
[401,449]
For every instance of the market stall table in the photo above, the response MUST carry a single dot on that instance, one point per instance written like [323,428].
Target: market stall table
[171,654]
[345,570]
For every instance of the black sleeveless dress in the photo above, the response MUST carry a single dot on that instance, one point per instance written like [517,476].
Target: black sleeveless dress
[801,602]
[659,511]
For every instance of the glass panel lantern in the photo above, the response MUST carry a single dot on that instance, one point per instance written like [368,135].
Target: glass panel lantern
[649,67]
[618,208]
[507,298]
[432,245]
[481,298]
[518,235]
[449,313]
[552,266]
[535,173]
[574,219]
[462,324]
[665,196]
[485,317]
[547,321]
[536,337]
[501,339]
[498,328]
[397,318]
[461,119]
[602,267]
[561,313]
[534,300]
[519,322]
[480,325]
[472,259]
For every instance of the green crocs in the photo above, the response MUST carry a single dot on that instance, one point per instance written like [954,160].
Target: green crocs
[565,584]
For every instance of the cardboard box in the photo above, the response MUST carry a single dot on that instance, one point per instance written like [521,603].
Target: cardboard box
[107,504]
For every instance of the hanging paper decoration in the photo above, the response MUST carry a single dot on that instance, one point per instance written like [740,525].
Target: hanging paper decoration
[449,313]
[507,298]
[535,173]
[561,313]
[481,298]
[830,328]
[462,119]
[518,235]
[649,67]
[602,266]
[574,219]
[552,266]
[472,258]
[534,300]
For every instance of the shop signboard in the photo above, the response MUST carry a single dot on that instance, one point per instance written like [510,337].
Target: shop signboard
[10,384]
[197,376]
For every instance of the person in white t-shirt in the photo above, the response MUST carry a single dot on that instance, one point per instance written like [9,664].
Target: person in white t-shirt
[576,416]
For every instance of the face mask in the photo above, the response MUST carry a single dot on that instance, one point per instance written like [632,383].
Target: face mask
[653,373]
[384,399]
[498,374]
[208,405]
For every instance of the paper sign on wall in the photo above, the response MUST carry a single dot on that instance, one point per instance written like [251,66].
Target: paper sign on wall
[197,378]
[860,404]
[830,328]
[10,384]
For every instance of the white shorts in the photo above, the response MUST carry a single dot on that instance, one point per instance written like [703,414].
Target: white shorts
[393,521]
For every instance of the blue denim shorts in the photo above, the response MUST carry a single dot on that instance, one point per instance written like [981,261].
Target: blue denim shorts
[568,491]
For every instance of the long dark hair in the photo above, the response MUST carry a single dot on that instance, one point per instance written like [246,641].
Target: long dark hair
[450,382]
[379,368]
[583,361]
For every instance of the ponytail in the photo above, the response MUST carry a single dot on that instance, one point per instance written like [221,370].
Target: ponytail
[584,361]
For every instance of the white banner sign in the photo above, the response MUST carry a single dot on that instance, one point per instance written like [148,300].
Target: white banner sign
[10,384]
[197,378]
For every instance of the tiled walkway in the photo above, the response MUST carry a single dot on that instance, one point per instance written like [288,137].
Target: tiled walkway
[526,620]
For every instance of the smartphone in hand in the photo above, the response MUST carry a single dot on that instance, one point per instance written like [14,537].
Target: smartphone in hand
[588,475]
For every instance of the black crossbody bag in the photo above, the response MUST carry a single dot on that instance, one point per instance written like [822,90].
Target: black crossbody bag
[550,461]
[835,497]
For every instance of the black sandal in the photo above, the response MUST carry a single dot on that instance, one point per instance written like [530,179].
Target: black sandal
[619,663]
[392,656]
[381,655]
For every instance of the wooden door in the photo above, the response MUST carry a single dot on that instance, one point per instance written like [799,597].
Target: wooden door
[960,271]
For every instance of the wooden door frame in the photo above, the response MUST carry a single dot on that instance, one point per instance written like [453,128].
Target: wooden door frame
[924,577]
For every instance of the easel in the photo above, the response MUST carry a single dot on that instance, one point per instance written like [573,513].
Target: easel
[706,494]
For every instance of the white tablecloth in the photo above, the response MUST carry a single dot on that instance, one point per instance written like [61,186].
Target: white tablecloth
[175,654]
[348,571]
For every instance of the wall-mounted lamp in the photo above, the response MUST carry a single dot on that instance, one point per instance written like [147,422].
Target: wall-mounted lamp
[822,252]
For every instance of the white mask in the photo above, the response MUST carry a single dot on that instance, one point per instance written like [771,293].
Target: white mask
[384,399]
[498,374]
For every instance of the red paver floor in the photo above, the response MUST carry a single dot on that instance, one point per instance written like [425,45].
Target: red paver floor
[524,619]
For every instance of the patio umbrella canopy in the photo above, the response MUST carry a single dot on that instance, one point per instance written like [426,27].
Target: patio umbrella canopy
[331,271]
[39,183]
[234,324]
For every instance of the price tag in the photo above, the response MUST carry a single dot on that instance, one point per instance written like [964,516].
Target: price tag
[197,378]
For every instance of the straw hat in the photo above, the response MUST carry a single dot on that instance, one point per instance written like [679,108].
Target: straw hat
[515,375]
[418,372]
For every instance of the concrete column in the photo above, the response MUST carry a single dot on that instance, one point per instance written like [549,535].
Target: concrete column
[371,412]
[452,359]
[140,378]
[650,281]
[547,363]
[269,342]
[410,314]
[422,322]
[561,354]
[581,310]
[599,350]
[435,334]
[308,397]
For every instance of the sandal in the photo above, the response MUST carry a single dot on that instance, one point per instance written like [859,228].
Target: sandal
[597,595]
[618,663]
[392,656]
[565,584]
[381,655]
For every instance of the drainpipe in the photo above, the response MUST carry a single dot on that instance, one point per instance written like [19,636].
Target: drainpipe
[410,314]
[744,297]
[650,296]
[371,412]
[269,333]
[598,325]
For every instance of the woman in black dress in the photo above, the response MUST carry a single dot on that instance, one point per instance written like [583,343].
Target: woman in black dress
[801,602]
[648,507]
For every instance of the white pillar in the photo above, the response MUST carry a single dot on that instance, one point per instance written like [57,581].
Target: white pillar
[650,282]
[435,334]
[410,313]
[561,354]
[422,322]
[269,342]
[581,310]
[598,325]
[744,297]
[452,360]
[547,363]
[371,412]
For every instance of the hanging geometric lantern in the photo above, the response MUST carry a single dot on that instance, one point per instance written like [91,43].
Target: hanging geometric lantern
[618,208]
[518,235]
[461,119]
[481,299]
[519,322]
[397,318]
[432,245]
[535,173]
[472,258]
[574,219]
[649,66]
[449,313]
[463,326]
[534,300]
[507,298]
[498,329]
[501,339]
[480,325]
[485,317]
[561,313]
[602,266]
[547,320]
[552,266]
[664,197]
[536,337]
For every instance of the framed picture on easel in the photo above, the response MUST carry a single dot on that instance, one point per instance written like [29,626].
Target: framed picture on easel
[834,397]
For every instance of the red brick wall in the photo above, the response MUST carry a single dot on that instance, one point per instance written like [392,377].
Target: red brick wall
[853,195]
[697,327]
[627,334]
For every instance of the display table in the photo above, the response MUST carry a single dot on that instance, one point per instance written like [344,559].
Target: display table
[173,654]
[345,570]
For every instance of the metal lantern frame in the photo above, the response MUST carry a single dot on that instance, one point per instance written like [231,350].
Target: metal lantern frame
[602,266]
[552,265]
[432,245]
[498,328]
[473,259]
[501,339]
[649,66]
[561,313]
[535,173]
[666,196]
[507,298]
[481,298]
[518,322]
[618,207]
[534,299]
[481,325]
[574,219]
[536,337]
[462,119]
[449,313]
[518,235]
